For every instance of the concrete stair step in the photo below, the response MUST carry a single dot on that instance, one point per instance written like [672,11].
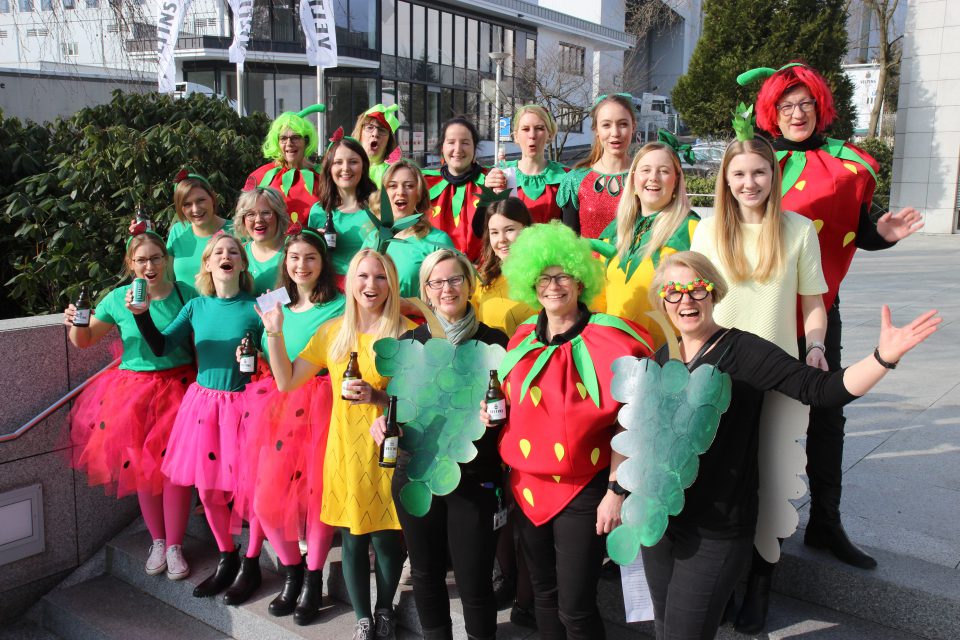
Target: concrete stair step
[106,608]
[26,630]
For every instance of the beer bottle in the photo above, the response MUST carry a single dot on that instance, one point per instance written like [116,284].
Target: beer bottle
[352,373]
[141,221]
[82,316]
[496,401]
[391,439]
[330,232]
[248,354]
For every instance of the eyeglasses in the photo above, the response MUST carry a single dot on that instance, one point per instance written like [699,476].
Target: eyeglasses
[372,128]
[295,139]
[455,282]
[562,279]
[674,297]
[787,108]
[266,216]
[142,262]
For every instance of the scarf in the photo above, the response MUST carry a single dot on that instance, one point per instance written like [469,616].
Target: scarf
[460,330]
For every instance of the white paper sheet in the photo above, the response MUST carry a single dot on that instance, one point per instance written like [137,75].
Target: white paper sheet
[267,301]
[636,593]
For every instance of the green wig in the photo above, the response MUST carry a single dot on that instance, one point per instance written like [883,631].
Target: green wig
[297,123]
[542,246]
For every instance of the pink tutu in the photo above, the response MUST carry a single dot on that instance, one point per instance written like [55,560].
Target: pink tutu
[203,446]
[120,424]
[284,442]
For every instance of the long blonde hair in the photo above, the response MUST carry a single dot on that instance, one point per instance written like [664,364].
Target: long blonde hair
[596,149]
[204,279]
[391,323]
[668,220]
[729,233]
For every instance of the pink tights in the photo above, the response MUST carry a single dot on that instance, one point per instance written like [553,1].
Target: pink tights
[218,517]
[166,514]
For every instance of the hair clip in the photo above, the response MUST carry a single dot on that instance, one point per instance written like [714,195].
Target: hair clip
[683,151]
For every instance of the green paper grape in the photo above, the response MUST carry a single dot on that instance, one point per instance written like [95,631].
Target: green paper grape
[726,393]
[422,465]
[673,377]
[462,450]
[448,380]
[680,422]
[463,399]
[661,444]
[653,526]
[629,443]
[702,388]
[688,472]
[438,353]
[426,396]
[680,453]
[416,497]
[445,477]
[704,425]
[623,544]
[406,410]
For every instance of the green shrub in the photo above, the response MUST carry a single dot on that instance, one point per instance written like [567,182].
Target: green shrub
[703,185]
[882,151]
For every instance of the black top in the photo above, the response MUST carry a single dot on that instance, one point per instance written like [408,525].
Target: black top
[486,466]
[722,502]
[562,338]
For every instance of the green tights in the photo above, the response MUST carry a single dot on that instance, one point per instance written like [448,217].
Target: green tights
[356,568]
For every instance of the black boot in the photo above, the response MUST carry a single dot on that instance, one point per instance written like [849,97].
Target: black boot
[221,578]
[247,581]
[286,601]
[730,611]
[311,598]
[441,633]
[823,533]
[756,601]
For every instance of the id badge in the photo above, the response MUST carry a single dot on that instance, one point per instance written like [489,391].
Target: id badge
[500,519]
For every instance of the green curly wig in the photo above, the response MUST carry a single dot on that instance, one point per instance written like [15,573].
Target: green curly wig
[299,125]
[554,244]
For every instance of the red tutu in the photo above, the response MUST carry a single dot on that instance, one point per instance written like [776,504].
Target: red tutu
[120,424]
[284,442]
[203,446]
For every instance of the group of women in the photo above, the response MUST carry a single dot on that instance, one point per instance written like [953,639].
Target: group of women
[568,271]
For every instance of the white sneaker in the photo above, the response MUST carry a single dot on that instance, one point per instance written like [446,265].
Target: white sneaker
[177,567]
[156,561]
[363,631]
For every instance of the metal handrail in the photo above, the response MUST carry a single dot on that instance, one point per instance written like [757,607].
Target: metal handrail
[46,413]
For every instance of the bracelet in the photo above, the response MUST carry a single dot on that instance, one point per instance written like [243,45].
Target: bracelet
[275,334]
[884,363]
[817,345]
[614,486]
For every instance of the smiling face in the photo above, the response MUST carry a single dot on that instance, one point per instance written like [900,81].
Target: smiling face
[451,300]
[370,286]
[503,231]
[558,296]
[346,167]
[261,221]
[655,180]
[148,262]
[304,264]
[374,137]
[531,135]
[614,127]
[796,124]
[691,317]
[403,192]
[198,207]
[458,149]
[749,177]
[225,262]
[292,146]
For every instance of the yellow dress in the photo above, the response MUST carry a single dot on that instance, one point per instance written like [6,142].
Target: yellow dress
[356,490]
[495,308]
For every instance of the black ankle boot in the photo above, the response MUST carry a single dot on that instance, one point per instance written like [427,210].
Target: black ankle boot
[286,601]
[221,578]
[829,535]
[756,601]
[730,611]
[247,581]
[311,598]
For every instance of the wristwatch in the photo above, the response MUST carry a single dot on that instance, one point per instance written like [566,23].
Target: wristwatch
[616,488]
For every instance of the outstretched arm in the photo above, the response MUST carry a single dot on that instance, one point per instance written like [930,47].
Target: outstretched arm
[289,376]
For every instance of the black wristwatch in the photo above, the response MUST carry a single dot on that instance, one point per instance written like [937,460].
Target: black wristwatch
[616,488]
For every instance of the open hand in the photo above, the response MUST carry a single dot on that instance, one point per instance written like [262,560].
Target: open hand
[895,342]
[272,319]
[897,226]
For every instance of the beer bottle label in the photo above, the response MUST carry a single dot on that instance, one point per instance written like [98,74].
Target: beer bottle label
[497,410]
[331,240]
[248,364]
[345,391]
[390,449]
[82,317]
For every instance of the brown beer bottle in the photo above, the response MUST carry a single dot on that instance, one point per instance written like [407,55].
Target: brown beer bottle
[496,401]
[82,317]
[352,373]
[391,439]
[248,354]
[330,232]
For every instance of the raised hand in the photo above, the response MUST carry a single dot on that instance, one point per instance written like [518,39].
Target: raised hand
[136,309]
[895,342]
[272,318]
[897,226]
[495,180]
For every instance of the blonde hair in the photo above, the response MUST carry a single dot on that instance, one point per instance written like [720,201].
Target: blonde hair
[694,261]
[596,149]
[204,279]
[391,323]
[729,234]
[183,189]
[667,221]
[442,255]
[248,200]
[138,241]
[423,226]
[541,113]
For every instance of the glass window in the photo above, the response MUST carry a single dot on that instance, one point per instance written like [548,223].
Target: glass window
[389,28]
[204,78]
[46,5]
[508,47]
[288,93]
[286,22]
[258,93]
[472,37]
[433,119]
[403,99]
[485,46]
[446,38]
[26,5]
[433,35]
[388,95]
[459,39]
[339,106]
[363,21]
[341,13]
[418,118]
[446,105]
[4,6]
[93,4]
[308,90]
[419,33]
[69,4]
[403,29]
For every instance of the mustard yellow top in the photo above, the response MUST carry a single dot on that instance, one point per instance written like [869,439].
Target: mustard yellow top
[356,490]
[495,308]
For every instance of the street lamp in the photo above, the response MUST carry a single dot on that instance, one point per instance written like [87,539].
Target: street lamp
[498,57]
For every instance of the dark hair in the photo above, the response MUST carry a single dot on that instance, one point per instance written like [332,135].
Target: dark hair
[463,121]
[329,195]
[326,287]
[512,209]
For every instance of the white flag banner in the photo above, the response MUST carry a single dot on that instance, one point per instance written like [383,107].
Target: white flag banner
[319,28]
[242,21]
[169,20]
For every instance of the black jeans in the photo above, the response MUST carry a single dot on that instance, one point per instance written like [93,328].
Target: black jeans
[565,556]
[691,579]
[463,522]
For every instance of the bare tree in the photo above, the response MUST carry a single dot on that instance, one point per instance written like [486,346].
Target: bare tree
[888,54]
[646,18]
[559,90]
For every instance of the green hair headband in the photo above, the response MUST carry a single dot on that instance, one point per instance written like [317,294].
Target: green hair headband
[337,137]
[137,232]
[296,228]
[183,175]
[388,114]
[315,108]
[684,151]
[762,73]
[604,96]
[743,122]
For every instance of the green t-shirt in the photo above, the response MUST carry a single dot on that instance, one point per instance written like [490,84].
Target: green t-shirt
[264,273]
[218,325]
[136,354]
[352,228]
[408,254]
[299,327]
[185,248]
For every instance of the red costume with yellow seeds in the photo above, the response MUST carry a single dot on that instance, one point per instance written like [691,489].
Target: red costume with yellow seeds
[453,209]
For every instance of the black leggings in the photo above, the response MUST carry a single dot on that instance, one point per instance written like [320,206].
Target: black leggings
[463,523]
[691,579]
[565,556]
